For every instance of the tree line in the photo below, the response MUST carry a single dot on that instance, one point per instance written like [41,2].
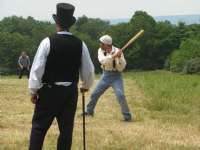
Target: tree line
[163,45]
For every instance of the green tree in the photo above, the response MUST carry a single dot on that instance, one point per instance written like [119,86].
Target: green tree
[91,26]
[144,47]
[10,48]
[188,50]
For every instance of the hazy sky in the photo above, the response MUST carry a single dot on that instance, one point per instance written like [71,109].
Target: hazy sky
[105,9]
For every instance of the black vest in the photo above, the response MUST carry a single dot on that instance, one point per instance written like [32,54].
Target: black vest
[64,59]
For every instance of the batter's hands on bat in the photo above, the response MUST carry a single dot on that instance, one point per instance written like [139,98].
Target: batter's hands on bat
[117,54]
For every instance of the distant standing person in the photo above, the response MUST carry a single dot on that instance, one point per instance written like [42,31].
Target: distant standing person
[24,64]
[112,62]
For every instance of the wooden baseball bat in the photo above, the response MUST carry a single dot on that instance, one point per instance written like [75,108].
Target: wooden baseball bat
[132,39]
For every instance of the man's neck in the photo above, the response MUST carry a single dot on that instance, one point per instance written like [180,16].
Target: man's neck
[63,30]
[59,29]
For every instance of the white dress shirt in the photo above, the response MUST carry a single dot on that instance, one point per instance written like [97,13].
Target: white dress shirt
[107,60]
[38,66]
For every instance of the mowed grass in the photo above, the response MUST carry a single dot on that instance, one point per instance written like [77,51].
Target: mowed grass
[166,109]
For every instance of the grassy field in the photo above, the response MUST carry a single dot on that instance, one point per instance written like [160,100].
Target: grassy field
[166,110]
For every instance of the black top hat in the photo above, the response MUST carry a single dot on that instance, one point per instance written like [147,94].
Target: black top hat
[64,16]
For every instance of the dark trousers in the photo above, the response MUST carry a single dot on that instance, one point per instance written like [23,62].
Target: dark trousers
[54,102]
[23,71]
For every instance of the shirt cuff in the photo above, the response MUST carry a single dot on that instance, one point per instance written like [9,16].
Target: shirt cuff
[84,86]
[33,91]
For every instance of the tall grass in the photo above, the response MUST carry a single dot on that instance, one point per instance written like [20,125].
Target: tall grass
[170,94]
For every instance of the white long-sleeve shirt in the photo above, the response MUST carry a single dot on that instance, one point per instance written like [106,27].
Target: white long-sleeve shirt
[107,60]
[39,63]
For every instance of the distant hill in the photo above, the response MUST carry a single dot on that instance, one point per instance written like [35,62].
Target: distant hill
[188,19]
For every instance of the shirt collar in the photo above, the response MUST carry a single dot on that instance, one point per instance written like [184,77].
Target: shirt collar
[64,32]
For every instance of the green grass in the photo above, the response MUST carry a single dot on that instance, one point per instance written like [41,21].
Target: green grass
[166,110]
[171,95]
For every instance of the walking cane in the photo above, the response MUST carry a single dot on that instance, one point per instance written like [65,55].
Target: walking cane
[83,109]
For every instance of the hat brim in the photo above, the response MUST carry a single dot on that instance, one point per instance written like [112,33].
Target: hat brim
[67,23]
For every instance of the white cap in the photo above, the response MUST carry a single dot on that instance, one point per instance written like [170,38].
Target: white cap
[106,39]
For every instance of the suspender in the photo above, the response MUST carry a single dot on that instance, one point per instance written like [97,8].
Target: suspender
[104,55]
[113,63]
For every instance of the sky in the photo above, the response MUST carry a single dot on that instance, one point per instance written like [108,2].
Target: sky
[104,9]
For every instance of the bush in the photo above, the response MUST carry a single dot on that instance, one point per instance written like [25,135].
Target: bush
[192,66]
[7,71]
[189,49]
[177,61]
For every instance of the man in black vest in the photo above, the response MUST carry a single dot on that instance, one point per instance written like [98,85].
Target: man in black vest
[54,77]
